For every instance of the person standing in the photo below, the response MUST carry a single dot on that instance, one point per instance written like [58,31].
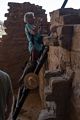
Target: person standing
[34,37]
[6,96]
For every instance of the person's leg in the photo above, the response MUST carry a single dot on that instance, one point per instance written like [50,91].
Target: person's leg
[35,55]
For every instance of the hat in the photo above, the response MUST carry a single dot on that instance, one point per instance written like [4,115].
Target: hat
[28,14]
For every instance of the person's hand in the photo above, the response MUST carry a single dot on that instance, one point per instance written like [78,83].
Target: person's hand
[35,29]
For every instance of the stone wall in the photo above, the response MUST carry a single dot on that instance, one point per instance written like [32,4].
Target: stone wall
[63,64]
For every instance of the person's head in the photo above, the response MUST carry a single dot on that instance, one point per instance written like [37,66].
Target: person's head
[29,17]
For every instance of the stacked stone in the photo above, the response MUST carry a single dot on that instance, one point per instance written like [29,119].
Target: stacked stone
[57,95]
[64,58]
[14,43]
[64,16]
[75,61]
[74,56]
[63,23]
[63,20]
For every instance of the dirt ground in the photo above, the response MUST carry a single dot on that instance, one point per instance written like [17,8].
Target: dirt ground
[31,107]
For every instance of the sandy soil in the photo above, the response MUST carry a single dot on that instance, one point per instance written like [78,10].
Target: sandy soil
[31,107]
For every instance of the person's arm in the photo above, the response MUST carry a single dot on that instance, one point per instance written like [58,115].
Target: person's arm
[9,99]
[31,29]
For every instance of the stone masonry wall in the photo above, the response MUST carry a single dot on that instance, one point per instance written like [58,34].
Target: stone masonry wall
[63,65]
